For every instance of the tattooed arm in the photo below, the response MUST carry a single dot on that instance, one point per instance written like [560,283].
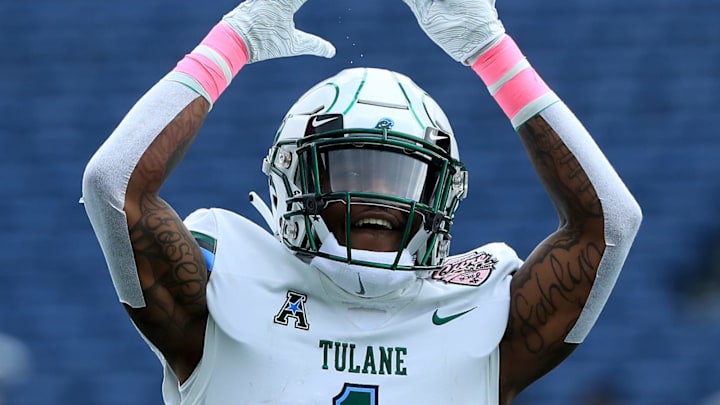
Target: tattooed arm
[557,294]
[549,291]
[169,262]
[156,266]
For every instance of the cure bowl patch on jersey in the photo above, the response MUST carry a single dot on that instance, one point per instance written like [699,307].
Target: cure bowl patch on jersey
[471,269]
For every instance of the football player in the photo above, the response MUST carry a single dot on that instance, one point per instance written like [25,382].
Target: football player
[353,296]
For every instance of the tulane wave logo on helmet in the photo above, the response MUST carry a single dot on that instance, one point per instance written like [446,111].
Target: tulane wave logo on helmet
[385,123]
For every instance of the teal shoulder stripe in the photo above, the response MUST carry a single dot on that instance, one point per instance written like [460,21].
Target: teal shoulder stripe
[208,244]
[205,241]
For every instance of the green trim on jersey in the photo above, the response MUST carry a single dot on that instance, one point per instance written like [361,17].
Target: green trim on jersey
[208,246]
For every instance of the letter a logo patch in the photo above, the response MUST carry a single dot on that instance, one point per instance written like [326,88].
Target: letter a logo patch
[294,307]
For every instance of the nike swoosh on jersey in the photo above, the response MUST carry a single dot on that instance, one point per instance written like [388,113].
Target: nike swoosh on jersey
[362,287]
[441,320]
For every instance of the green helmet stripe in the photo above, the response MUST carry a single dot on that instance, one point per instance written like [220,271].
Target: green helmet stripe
[337,95]
[357,93]
[410,105]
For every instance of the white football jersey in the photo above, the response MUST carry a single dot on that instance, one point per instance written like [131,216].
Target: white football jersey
[280,332]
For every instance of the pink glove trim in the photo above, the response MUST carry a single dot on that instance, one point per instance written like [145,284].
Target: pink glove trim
[228,44]
[517,91]
[498,60]
[524,88]
[206,72]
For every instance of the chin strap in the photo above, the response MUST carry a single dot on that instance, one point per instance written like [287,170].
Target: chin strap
[264,211]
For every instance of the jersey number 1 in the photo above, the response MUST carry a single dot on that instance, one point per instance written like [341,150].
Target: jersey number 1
[357,394]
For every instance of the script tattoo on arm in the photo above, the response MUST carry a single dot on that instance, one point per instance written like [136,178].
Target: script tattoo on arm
[175,285]
[548,293]
[170,265]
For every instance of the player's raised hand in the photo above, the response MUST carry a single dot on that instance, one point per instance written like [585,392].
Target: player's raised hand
[268,30]
[460,27]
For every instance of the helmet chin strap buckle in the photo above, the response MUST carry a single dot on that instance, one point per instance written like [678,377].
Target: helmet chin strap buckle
[437,224]
[312,204]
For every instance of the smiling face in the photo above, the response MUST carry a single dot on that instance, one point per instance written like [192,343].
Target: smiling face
[376,224]
[372,227]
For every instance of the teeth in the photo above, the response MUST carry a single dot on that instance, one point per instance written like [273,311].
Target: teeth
[374,221]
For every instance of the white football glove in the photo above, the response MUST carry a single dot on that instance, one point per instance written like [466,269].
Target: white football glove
[462,28]
[268,30]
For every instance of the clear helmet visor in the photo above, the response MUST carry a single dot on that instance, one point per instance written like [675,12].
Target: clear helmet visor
[379,172]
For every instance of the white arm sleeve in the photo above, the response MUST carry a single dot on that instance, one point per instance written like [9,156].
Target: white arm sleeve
[107,174]
[621,212]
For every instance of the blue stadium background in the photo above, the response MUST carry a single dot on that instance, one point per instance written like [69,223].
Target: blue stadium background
[642,75]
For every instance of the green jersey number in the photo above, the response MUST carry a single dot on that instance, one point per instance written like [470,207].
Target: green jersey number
[357,394]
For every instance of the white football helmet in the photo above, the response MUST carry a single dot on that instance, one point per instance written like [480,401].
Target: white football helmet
[366,136]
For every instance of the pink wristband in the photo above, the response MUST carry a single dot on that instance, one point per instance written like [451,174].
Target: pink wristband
[214,68]
[228,44]
[514,84]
